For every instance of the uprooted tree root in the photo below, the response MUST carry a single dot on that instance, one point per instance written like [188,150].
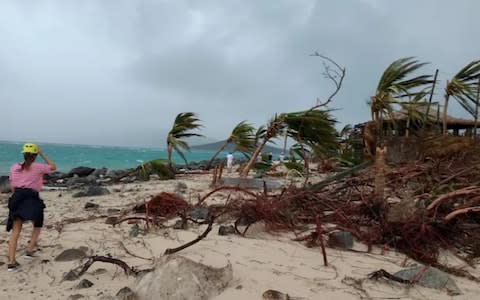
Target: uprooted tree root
[444,193]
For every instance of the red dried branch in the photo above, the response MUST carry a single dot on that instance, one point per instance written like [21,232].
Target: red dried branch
[459,212]
[464,191]
[226,187]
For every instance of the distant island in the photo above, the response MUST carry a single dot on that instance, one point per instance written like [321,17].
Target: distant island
[216,145]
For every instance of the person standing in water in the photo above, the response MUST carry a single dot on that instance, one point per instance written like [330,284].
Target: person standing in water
[26,181]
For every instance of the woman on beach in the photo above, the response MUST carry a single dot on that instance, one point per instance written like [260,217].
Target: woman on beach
[26,180]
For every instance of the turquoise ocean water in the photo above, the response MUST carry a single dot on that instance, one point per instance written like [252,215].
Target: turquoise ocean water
[69,156]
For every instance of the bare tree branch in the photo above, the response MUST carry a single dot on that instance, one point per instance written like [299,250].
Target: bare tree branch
[335,74]
[198,239]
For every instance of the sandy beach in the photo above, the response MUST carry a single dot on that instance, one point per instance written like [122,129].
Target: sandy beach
[260,260]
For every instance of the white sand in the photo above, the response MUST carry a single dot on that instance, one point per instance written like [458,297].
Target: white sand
[260,261]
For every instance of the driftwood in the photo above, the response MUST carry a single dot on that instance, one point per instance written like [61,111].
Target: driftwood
[106,259]
[198,239]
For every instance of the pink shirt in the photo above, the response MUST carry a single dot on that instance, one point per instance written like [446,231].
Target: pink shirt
[31,178]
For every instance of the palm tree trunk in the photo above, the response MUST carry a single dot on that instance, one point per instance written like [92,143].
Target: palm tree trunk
[407,131]
[476,111]
[169,153]
[379,188]
[209,165]
[253,159]
[427,114]
[445,109]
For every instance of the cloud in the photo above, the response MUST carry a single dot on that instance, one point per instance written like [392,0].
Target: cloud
[118,72]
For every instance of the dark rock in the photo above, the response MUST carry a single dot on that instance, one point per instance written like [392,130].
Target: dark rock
[81,171]
[180,224]
[180,187]
[245,221]
[76,297]
[126,294]
[70,255]
[134,231]
[251,183]
[432,278]
[91,206]
[4,221]
[84,284]
[340,239]
[100,172]
[54,176]
[70,276]
[200,213]
[93,190]
[76,180]
[114,173]
[4,184]
[226,230]
[112,211]
[111,220]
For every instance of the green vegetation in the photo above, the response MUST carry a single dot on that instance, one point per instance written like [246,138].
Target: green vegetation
[182,128]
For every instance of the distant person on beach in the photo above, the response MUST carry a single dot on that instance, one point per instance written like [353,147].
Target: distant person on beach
[26,181]
[229,161]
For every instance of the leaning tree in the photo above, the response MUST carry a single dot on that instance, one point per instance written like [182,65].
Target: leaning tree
[463,88]
[182,128]
[308,128]
[243,139]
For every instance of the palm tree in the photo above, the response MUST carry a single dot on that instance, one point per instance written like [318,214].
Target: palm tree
[462,87]
[242,137]
[314,129]
[272,130]
[182,128]
[414,111]
[397,82]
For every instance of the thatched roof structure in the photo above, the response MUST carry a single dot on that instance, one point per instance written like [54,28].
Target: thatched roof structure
[434,115]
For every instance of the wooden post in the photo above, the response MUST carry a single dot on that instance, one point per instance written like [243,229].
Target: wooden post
[431,96]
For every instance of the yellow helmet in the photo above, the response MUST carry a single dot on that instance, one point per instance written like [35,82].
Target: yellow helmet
[30,148]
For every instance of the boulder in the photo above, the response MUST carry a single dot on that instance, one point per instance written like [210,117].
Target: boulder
[81,171]
[93,190]
[432,278]
[71,255]
[4,184]
[177,277]
[340,239]
[200,213]
[84,284]
[126,294]
[226,230]
[100,172]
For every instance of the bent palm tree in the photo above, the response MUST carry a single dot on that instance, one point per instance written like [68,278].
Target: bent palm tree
[397,82]
[313,128]
[182,128]
[272,130]
[414,111]
[242,137]
[462,87]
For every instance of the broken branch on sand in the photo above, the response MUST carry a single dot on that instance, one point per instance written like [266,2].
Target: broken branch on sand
[199,238]
[126,268]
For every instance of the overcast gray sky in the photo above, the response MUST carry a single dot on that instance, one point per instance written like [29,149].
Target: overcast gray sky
[118,71]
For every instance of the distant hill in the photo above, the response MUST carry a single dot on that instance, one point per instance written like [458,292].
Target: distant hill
[215,146]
